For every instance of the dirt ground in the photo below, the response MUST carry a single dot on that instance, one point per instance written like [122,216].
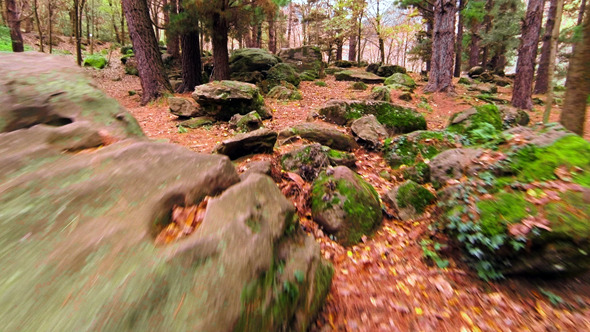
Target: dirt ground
[385,283]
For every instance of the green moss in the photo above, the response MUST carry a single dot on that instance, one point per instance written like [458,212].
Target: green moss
[414,195]
[320,83]
[282,72]
[405,150]
[6,41]
[568,217]
[95,60]
[482,126]
[419,173]
[359,86]
[400,79]
[539,163]
[308,75]
[506,208]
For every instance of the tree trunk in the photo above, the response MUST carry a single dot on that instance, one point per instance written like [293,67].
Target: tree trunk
[443,41]
[573,114]
[219,42]
[339,45]
[552,53]
[579,23]
[77,32]
[359,54]
[352,48]
[487,22]
[474,46]
[172,39]
[149,61]
[122,25]
[542,82]
[290,24]
[459,42]
[527,52]
[430,34]
[38,23]
[13,18]
[50,24]
[191,61]
[272,41]
[382,49]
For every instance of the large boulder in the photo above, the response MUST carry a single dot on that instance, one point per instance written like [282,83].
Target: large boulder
[81,226]
[409,199]
[417,147]
[245,123]
[388,70]
[395,118]
[453,164]
[358,76]
[380,93]
[281,74]
[258,141]
[250,60]
[183,107]
[400,81]
[478,124]
[345,205]
[322,134]
[474,72]
[309,160]
[223,99]
[283,93]
[532,218]
[368,131]
[304,58]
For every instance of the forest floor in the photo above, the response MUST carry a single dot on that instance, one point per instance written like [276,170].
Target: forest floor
[385,283]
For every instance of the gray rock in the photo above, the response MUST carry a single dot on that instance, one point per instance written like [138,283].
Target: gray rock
[322,134]
[474,72]
[388,70]
[369,131]
[409,199]
[223,99]
[358,76]
[247,60]
[400,79]
[259,141]
[304,58]
[257,167]
[380,93]
[512,116]
[453,164]
[183,107]
[197,122]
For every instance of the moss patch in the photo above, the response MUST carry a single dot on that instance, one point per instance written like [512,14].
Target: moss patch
[539,163]
[414,195]
[481,126]
[414,148]
[506,208]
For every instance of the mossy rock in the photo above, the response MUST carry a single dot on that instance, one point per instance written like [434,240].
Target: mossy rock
[247,122]
[332,70]
[223,99]
[304,58]
[388,70]
[344,63]
[283,93]
[402,80]
[246,60]
[410,199]
[320,84]
[478,124]
[373,67]
[345,205]
[258,141]
[309,160]
[464,81]
[395,118]
[322,134]
[417,147]
[197,122]
[127,49]
[308,76]
[359,86]
[358,76]
[419,173]
[96,61]
[282,72]
[380,93]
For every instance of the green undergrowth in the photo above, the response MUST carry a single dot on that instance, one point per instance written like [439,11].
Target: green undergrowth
[6,41]
[481,127]
[416,147]
[414,195]
[539,163]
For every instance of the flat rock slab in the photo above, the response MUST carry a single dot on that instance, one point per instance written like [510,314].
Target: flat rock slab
[183,107]
[358,76]
[322,134]
[223,99]
[369,131]
[259,141]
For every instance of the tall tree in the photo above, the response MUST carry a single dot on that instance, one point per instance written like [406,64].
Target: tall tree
[149,61]
[542,81]
[527,52]
[187,25]
[473,14]
[573,114]
[172,39]
[443,41]
[551,65]
[459,41]
[38,24]
[13,18]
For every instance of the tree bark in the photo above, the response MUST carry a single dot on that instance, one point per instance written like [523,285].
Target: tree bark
[219,42]
[290,24]
[573,114]
[38,23]
[149,61]
[552,53]
[474,46]
[527,52]
[191,61]
[441,75]
[122,24]
[272,41]
[542,82]
[13,18]
[50,24]
[352,48]
[339,45]
[487,22]
[172,39]
[459,41]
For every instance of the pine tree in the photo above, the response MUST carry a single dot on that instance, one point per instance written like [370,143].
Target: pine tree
[149,60]
[525,67]
[13,18]
[443,41]
[573,114]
